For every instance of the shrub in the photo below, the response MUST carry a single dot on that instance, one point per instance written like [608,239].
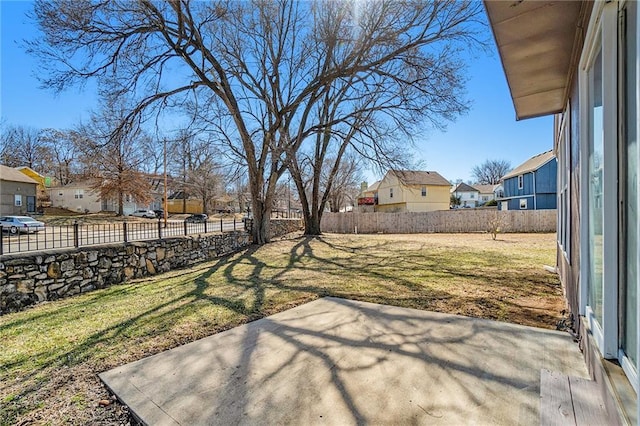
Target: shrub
[494,225]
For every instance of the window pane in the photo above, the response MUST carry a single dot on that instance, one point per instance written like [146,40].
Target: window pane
[596,148]
[630,335]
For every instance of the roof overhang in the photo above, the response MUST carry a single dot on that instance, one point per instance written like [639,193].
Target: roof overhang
[538,42]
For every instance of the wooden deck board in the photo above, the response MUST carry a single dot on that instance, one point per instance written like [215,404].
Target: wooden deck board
[588,406]
[556,407]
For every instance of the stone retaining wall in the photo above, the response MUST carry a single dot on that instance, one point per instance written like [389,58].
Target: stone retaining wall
[29,278]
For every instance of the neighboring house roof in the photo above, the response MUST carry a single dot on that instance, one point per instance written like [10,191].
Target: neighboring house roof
[178,195]
[28,170]
[485,189]
[532,164]
[80,184]
[418,177]
[14,175]
[463,187]
[225,198]
[374,187]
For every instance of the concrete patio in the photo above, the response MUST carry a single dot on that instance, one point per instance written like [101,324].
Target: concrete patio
[336,361]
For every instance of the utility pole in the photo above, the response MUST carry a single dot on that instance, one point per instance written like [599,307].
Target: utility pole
[165,204]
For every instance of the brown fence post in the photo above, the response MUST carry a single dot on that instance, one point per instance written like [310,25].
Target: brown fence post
[124,231]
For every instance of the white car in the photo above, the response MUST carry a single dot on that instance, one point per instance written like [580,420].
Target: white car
[15,224]
[149,214]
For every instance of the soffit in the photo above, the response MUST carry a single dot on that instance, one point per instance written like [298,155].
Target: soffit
[536,40]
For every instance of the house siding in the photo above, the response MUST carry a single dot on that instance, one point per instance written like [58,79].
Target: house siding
[408,198]
[65,197]
[569,253]
[595,135]
[9,190]
[546,178]
[538,187]
[468,199]
[568,259]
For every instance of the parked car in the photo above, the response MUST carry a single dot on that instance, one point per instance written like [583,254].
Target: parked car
[227,210]
[197,218]
[159,213]
[149,214]
[15,224]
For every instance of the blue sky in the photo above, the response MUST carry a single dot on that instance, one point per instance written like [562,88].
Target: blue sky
[488,131]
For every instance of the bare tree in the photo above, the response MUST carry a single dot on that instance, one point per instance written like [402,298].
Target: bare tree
[23,146]
[153,153]
[344,183]
[491,171]
[63,159]
[375,113]
[205,176]
[114,157]
[259,66]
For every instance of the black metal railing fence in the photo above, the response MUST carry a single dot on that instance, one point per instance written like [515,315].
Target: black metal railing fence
[78,235]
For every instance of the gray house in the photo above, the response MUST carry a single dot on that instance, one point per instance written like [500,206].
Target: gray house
[579,61]
[17,192]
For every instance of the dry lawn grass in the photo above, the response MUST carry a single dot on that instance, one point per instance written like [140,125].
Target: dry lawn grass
[51,354]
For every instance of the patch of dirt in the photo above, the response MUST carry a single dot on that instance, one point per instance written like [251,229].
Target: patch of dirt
[70,395]
[58,211]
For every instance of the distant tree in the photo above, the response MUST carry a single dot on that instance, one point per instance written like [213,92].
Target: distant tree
[205,177]
[63,162]
[111,153]
[197,169]
[453,200]
[22,146]
[491,171]
[344,184]
[152,151]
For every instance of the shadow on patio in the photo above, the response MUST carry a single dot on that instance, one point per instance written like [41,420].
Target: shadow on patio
[338,361]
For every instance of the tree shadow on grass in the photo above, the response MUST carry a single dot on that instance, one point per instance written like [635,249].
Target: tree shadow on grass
[259,278]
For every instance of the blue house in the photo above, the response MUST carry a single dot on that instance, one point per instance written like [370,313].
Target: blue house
[531,185]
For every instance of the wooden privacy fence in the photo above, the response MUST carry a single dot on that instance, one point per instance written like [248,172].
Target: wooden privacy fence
[462,220]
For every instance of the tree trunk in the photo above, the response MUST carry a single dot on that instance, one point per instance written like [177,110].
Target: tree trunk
[312,225]
[261,221]
[120,203]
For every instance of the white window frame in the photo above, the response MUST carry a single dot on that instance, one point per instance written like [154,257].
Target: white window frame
[520,181]
[629,369]
[523,203]
[79,194]
[564,186]
[603,23]
[17,200]
[424,191]
[638,231]
[390,192]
